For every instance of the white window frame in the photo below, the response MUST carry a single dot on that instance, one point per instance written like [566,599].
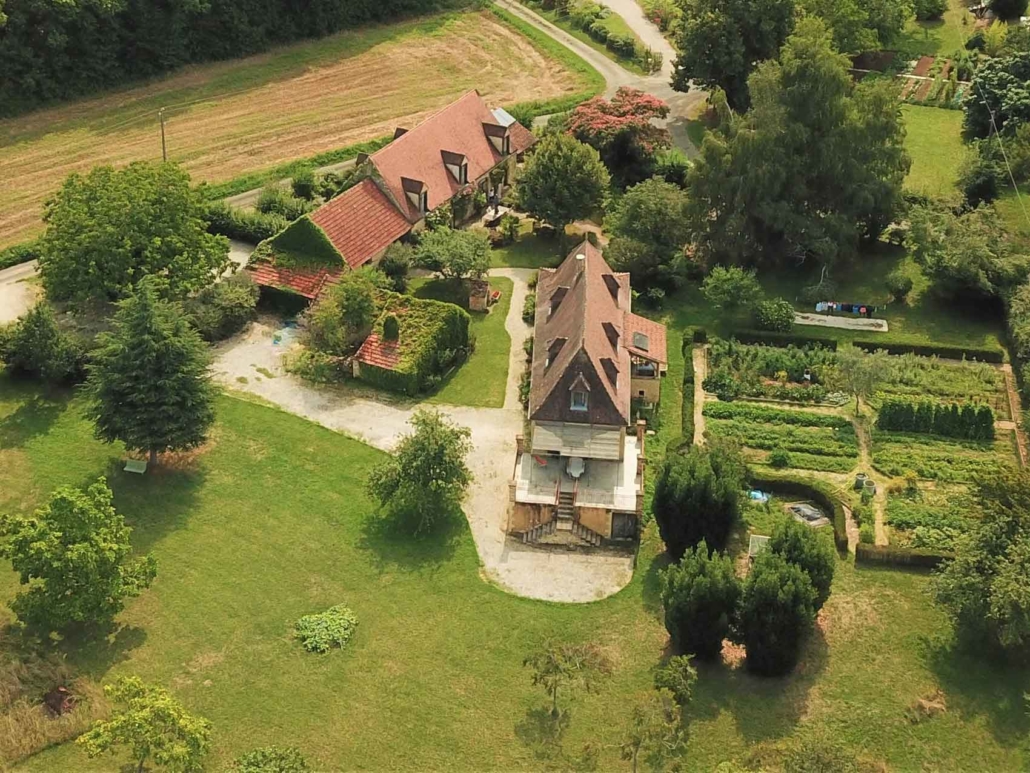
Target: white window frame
[586,400]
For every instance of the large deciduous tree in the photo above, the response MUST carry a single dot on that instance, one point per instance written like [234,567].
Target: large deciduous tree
[986,588]
[562,181]
[1001,88]
[622,130]
[697,497]
[75,556]
[776,614]
[814,166]
[425,481]
[965,256]
[649,231]
[152,726]
[110,228]
[148,384]
[457,254]
[861,25]
[700,595]
[721,42]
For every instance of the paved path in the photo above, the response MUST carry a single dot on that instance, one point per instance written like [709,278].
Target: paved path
[846,323]
[252,362]
[700,365]
[681,106]
[649,33]
[518,331]
[17,292]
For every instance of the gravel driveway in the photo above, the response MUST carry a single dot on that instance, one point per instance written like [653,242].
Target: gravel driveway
[252,362]
[18,292]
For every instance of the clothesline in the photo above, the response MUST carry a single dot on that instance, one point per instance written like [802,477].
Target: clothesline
[857,309]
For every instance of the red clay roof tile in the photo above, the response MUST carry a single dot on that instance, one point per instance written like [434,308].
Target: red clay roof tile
[308,283]
[383,354]
[361,223]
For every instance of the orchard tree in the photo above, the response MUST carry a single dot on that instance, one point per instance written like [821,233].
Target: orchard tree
[561,668]
[649,232]
[731,287]
[148,384]
[721,42]
[800,545]
[776,614]
[75,556]
[457,254]
[815,166]
[700,596]
[986,588]
[152,726]
[657,735]
[562,181]
[427,478]
[623,131]
[698,497]
[110,228]
[858,372]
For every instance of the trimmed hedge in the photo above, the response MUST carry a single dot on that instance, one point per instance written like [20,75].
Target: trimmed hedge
[969,421]
[808,488]
[304,243]
[772,338]
[17,254]
[245,225]
[915,558]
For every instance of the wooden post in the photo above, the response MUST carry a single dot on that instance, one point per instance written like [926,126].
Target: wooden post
[164,148]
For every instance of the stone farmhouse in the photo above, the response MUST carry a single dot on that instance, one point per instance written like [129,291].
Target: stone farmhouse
[579,476]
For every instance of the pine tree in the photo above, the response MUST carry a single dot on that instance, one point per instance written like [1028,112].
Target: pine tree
[149,385]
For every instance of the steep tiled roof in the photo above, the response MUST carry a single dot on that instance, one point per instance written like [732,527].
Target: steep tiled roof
[306,282]
[521,138]
[361,223]
[579,341]
[384,354]
[457,128]
[655,333]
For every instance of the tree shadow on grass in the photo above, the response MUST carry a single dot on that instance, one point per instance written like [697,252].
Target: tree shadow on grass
[154,503]
[31,419]
[764,708]
[393,545]
[651,593]
[96,651]
[974,686]
[542,733]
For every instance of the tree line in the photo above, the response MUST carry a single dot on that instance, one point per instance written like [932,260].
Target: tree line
[52,50]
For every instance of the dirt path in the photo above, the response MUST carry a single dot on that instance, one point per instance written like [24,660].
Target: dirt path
[518,331]
[700,362]
[253,363]
[1015,412]
[865,462]
[18,292]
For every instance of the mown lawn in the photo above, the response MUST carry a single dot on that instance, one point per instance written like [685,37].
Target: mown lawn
[270,522]
[944,36]
[481,380]
[934,141]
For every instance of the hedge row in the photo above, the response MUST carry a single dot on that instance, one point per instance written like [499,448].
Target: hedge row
[983,354]
[17,254]
[905,557]
[808,488]
[969,421]
[245,225]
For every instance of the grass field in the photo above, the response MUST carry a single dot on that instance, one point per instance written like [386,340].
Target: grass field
[270,522]
[482,379]
[934,141]
[944,36]
[226,119]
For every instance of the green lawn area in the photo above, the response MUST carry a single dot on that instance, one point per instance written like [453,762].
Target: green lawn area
[482,379]
[1015,216]
[934,141]
[945,36]
[530,250]
[271,522]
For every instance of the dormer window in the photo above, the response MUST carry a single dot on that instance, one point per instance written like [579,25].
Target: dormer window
[499,137]
[423,202]
[417,194]
[507,145]
[457,164]
[580,400]
[463,173]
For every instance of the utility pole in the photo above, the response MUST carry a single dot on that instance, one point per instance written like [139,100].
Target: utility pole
[164,149]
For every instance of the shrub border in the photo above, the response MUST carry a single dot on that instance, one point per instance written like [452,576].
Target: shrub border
[983,354]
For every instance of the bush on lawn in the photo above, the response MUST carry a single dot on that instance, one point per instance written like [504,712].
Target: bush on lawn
[899,285]
[776,614]
[930,10]
[776,315]
[325,630]
[700,594]
[35,346]
[270,759]
[223,308]
[304,185]
[800,545]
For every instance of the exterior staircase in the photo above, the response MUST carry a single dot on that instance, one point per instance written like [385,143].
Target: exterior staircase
[539,531]
[562,530]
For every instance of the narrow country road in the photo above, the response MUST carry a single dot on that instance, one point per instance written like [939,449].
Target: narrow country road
[18,291]
[253,363]
[681,106]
